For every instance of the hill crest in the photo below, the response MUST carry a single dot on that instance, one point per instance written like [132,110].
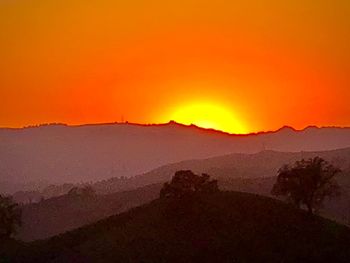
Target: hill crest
[224,227]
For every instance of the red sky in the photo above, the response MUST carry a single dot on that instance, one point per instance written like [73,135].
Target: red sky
[240,66]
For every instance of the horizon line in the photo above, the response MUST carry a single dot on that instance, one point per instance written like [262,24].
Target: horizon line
[171,122]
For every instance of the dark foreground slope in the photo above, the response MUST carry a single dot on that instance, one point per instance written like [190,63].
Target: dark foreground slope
[224,227]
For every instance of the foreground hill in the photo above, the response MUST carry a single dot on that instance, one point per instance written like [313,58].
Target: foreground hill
[256,173]
[33,157]
[223,227]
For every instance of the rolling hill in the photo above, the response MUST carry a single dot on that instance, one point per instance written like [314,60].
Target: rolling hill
[57,215]
[232,166]
[252,173]
[222,227]
[32,158]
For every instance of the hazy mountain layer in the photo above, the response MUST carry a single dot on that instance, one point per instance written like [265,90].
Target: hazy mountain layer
[63,154]
[60,214]
[239,172]
[233,166]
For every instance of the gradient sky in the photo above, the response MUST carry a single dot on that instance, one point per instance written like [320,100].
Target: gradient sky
[256,65]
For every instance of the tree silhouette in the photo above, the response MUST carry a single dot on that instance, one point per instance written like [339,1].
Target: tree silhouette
[10,217]
[185,183]
[83,192]
[307,182]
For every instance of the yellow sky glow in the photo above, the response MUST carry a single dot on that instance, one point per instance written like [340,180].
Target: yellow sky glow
[237,66]
[209,115]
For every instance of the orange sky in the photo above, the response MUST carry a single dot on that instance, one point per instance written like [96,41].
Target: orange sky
[263,63]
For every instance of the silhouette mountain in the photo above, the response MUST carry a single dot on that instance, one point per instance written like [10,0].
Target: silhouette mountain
[72,154]
[221,227]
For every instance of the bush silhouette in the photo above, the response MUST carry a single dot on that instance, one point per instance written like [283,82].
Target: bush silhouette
[10,217]
[83,192]
[307,182]
[185,183]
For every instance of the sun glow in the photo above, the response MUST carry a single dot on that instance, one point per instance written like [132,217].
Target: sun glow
[210,116]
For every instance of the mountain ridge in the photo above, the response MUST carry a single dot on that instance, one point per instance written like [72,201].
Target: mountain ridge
[284,127]
[63,154]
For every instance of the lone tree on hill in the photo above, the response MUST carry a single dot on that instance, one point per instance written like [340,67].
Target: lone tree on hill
[307,182]
[185,183]
[10,217]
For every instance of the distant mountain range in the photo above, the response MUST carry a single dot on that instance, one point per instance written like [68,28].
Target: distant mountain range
[31,158]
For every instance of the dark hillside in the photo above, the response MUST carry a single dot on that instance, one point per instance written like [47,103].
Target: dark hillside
[223,227]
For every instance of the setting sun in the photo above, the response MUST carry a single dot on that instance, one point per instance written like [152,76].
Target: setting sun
[209,115]
[174,131]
